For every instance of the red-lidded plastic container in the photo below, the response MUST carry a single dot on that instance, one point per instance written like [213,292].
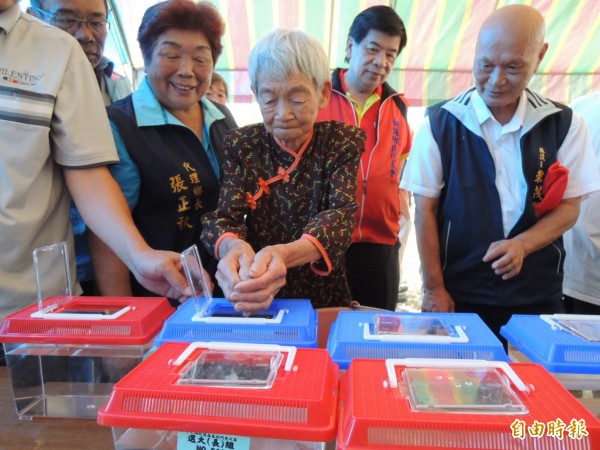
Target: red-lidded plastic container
[459,404]
[64,357]
[270,395]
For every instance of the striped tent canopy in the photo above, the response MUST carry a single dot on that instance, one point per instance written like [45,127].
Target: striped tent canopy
[437,61]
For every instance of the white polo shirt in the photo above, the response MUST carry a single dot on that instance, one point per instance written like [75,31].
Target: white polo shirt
[582,242]
[51,115]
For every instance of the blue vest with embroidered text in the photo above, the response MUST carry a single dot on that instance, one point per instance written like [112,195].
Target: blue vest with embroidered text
[470,216]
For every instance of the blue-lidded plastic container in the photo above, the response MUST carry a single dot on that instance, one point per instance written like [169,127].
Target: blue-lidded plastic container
[567,345]
[285,322]
[562,343]
[388,335]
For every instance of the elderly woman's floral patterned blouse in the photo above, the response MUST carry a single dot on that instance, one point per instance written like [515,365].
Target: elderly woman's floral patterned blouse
[271,195]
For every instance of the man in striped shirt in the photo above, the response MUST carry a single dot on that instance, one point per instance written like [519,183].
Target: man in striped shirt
[56,141]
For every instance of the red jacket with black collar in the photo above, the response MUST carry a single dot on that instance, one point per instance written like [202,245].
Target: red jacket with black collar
[378,192]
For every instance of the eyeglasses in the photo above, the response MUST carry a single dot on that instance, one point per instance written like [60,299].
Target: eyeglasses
[70,23]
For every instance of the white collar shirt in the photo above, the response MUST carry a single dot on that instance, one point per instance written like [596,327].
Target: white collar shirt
[503,142]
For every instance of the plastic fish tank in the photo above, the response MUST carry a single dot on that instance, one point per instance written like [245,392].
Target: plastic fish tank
[64,353]
[457,404]
[204,318]
[568,345]
[260,396]
[377,335]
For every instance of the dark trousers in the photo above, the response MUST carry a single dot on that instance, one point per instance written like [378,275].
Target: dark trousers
[575,306]
[89,288]
[496,316]
[374,274]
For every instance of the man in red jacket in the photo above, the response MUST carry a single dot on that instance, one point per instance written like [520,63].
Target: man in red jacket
[361,97]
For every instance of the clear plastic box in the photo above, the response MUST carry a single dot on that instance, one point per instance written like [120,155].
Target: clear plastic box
[140,439]
[274,397]
[285,322]
[457,404]
[565,344]
[207,319]
[377,335]
[66,363]
[65,353]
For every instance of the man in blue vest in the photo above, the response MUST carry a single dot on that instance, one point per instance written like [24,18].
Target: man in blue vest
[489,172]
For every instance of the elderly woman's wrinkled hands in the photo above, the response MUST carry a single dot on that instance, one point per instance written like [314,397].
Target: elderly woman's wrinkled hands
[234,266]
[258,286]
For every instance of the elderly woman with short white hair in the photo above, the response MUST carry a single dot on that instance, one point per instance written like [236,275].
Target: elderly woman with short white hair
[286,209]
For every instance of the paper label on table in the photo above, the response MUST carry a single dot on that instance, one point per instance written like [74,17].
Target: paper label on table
[210,441]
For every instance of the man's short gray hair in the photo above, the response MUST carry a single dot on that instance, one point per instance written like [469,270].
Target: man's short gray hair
[283,53]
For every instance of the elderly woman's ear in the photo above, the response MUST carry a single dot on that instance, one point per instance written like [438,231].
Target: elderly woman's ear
[325,94]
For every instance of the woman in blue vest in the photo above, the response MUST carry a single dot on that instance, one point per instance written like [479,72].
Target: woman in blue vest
[169,137]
